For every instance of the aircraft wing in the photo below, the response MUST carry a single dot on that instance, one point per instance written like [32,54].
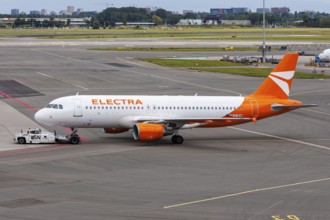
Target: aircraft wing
[185,123]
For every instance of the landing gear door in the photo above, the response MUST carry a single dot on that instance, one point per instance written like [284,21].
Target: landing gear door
[77,112]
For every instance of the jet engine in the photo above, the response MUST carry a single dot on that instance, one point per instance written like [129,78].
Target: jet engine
[114,130]
[148,132]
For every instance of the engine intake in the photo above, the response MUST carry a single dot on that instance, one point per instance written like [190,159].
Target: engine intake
[148,132]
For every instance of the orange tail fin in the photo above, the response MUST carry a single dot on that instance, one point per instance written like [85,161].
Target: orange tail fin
[279,81]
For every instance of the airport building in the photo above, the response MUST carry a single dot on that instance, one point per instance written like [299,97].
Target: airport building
[35,12]
[80,10]
[261,10]
[184,12]
[220,11]
[235,22]
[70,9]
[281,10]
[188,22]
[14,12]
[44,12]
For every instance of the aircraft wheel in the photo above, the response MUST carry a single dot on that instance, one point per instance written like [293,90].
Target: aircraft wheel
[74,139]
[21,140]
[177,139]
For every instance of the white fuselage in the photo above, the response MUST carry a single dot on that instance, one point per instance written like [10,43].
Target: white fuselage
[124,111]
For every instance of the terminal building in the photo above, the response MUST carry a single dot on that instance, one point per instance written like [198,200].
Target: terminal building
[220,11]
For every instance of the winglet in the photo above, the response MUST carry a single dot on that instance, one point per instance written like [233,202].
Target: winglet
[278,82]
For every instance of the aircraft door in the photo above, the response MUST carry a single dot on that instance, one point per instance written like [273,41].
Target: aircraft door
[77,108]
[254,107]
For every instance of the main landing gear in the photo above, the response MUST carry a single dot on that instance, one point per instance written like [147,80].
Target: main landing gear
[177,139]
[74,137]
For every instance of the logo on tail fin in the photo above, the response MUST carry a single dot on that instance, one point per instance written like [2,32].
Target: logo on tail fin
[279,81]
[282,79]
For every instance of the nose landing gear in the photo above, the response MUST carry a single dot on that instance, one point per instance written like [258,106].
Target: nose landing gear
[74,137]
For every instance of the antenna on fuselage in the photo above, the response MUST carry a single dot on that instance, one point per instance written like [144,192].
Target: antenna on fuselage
[196,94]
[77,93]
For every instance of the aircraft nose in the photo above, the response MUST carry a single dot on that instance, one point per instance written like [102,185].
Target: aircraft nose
[42,117]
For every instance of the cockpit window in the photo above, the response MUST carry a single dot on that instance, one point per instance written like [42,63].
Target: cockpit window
[55,106]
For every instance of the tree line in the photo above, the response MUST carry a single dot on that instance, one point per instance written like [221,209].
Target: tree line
[108,17]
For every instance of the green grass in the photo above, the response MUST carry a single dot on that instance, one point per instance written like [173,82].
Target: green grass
[260,72]
[226,67]
[176,49]
[190,63]
[180,33]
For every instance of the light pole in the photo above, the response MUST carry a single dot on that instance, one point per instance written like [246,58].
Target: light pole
[263,34]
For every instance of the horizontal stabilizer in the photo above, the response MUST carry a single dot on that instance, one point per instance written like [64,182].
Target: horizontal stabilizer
[280,106]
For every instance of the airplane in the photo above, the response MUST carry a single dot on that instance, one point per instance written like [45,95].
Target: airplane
[153,117]
[324,56]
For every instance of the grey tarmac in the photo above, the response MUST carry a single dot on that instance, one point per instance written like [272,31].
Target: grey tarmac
[276,168]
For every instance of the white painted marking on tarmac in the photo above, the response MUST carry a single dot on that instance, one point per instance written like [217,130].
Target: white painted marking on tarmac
[262,211]
[245,192]
[52,54]
[282,138]
[310,110]
[84,88]
[78,86]
[144,74]
[131,62]
[43,74]
[197,85]
[307,92]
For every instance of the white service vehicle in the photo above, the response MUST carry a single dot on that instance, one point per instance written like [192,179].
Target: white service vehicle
[36,136]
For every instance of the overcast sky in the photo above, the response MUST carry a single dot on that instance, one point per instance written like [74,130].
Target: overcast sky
[172,5]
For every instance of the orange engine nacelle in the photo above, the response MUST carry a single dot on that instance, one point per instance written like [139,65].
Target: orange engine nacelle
[148,132]
[114,130]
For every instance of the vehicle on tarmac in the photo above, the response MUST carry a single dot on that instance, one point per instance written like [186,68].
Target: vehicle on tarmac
[36,136]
